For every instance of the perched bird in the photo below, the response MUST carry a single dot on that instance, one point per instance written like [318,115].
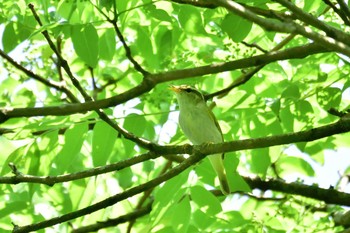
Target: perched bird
[200,126]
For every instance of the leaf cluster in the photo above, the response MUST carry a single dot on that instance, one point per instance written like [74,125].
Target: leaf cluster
[89,130]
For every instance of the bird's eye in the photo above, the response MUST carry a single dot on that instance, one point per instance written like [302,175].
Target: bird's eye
[188,90]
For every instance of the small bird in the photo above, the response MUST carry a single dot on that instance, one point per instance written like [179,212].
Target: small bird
[200,126]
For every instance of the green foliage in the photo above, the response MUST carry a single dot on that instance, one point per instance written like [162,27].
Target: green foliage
[85,42]
[116,58]
[236,27]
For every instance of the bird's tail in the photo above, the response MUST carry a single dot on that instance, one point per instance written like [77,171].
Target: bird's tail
[218,165]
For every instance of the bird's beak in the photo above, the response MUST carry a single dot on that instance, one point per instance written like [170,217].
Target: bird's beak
[174,88]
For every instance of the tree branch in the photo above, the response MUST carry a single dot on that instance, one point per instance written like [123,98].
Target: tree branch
[247,76]
[127,49]
[329,196]
[198,153]
[61,60]
[153,79]
[339,12]
[285,27]
[197,156]
[51,180]
[56,85]
[311,20]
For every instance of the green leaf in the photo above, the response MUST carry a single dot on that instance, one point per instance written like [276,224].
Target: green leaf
[304,110]
[148,166]
[16,157]
[13,207]
[125,178]
[260,161]
[9,38]
[205,200]
[329,97]
[288,165]
[237,183]
[105,4]
[25,27]
[48,141]
[206,173]
[236,27]
[73,141]
[135,124]
[276,106]
[236,219]
[287,119]
[291,92]
[165,194]
[190,19]
[34,157]
[159,14]
[182,215]
[166,197]
[165,44]
[107,45]
[85,42]
[314,7]
[145,48]
[103,139]
[203,220]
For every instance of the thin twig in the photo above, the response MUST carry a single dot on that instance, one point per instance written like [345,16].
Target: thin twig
[51,180]
[141,142]
[127,49]
[248,75]
[56,85]
[61,60]
[345,8]
[337,11]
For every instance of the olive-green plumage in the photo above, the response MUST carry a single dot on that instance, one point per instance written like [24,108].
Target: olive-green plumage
[200,126]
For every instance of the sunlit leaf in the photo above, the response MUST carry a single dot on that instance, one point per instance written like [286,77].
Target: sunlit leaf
[236,27]
[103,139]
[182,215]
[190,19]
[289,165]
[205,200]
[85,41]
[107,45]
[73,141]
[260,161]
[9,38]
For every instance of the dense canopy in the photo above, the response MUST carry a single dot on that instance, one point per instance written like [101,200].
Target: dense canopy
[89,132]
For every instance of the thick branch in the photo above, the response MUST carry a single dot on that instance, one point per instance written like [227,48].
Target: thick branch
[153,79]
[287,27]
[309,19]
[113,199]
[198,153]
[329,196]
[341,126]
